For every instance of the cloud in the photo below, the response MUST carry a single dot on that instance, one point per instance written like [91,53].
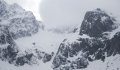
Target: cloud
[58,13]
[69,12]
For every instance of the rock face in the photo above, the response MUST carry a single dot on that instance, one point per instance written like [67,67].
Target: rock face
[96,46]
[15,23]
[32,58]
[95,23]
[21,23]
[9,51]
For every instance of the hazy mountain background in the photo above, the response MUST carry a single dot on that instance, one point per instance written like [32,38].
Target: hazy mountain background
[61,13]
[58,13]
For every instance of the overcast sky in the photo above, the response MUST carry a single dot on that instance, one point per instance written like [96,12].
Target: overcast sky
[66,12]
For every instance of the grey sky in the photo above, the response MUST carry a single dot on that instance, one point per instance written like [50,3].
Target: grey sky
[70,12]
[66,12]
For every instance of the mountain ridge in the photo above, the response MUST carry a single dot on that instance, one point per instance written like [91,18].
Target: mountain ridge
[88,49]
[90,43]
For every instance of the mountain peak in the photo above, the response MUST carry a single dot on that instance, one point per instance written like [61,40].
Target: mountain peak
[96,22]
[19,21]
[90,45]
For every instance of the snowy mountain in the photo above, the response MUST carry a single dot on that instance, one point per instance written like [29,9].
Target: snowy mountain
[16,23]
[91,45]
[20,22]
[24,45]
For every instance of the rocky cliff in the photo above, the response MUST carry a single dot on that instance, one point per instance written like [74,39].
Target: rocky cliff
[92,43]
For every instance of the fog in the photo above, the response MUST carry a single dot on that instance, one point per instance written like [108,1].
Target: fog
[69,12]
[57,13]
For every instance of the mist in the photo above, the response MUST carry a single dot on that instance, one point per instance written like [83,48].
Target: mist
[58,13]
[65,13]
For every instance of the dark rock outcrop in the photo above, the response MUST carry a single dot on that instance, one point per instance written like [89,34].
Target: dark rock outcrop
[95,23]
[8,48]
[21,23]
[79,53]
[45,57]
[15,23]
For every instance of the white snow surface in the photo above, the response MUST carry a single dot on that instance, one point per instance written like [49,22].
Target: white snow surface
[43,40]
[111,63]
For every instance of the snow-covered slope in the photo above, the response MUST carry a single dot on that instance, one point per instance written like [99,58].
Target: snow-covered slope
[20,22]
[92,45]
[24,45]
[43,40]
[16,23]
[111,63]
